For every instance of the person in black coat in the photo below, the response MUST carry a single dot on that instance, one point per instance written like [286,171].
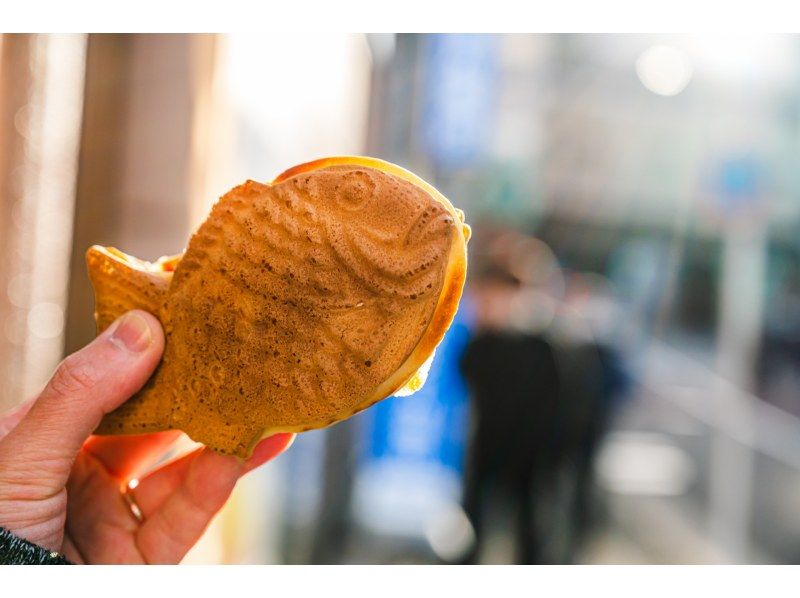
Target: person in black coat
[541,404]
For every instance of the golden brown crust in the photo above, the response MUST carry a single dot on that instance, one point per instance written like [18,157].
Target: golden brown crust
[294,306]
[121,283]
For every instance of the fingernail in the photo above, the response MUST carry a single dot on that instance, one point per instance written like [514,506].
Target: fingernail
[132,333]
[269,448]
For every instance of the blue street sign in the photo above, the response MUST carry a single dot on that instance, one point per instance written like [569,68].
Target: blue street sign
[739,182]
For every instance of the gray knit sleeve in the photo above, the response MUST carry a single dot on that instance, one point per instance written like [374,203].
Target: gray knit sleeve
[16,551]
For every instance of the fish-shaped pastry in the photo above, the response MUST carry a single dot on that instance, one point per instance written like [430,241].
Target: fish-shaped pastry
[295,305]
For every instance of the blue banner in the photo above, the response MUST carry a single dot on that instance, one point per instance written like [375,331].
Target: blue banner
[414,447]
[461,76]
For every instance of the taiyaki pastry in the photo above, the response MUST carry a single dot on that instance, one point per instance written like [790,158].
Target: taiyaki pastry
[295,305]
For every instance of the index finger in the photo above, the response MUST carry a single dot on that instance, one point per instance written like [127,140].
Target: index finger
[180,499]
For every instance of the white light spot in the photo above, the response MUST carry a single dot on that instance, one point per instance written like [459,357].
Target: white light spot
[646,464]
[664,70]
[17,289]
[450,532]
[46,320]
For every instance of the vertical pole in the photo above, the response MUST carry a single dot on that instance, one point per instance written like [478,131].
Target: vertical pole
[739,332]
[41,90]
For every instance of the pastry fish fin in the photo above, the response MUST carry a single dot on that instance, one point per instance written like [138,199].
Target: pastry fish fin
[122,282]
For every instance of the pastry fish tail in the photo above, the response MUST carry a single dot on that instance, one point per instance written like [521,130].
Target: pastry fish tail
[122,282]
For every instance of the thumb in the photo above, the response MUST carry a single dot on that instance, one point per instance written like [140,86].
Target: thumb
[87,385]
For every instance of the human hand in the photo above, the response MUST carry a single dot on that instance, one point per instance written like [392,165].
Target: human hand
[61,488]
